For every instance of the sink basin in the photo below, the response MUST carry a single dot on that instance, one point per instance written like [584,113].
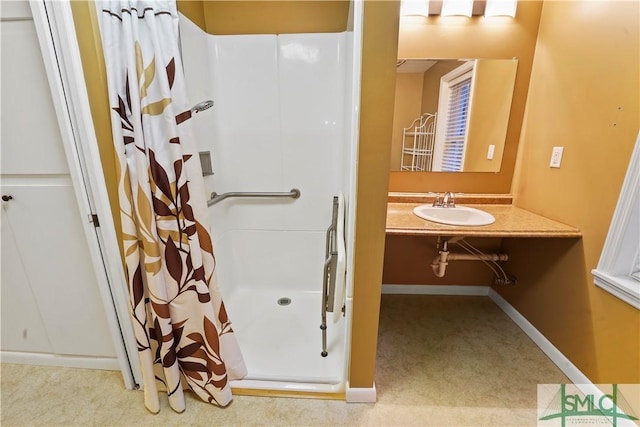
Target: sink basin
[460,215]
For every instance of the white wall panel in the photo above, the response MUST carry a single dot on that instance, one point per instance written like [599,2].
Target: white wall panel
[246,147]
[268,259]
[194,45]
[15,10]
[278,123]
[29,133]
[245,76]
[311,88]
[348,154]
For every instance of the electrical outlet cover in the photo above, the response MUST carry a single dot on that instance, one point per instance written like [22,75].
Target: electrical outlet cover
[556,157]
[491,152]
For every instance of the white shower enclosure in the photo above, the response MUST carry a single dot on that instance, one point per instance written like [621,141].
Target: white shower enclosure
[285,117]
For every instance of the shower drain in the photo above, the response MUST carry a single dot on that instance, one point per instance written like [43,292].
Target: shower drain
[284,301]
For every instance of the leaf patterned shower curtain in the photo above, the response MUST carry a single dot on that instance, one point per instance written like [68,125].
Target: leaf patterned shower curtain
[181,326]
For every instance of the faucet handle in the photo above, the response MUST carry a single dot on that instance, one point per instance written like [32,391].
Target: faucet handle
[436,201]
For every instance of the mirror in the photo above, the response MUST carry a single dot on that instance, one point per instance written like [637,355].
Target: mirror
[451,115]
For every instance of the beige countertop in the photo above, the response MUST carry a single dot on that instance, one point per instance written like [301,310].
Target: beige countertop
[510,222]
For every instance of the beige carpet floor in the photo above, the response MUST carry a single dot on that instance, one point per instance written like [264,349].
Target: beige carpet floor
[442,361]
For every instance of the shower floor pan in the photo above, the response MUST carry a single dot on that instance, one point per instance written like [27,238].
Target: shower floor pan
[281,341]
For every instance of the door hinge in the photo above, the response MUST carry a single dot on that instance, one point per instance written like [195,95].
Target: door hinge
[93,218]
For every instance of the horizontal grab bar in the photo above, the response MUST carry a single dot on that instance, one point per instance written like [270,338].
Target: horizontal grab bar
[215,197]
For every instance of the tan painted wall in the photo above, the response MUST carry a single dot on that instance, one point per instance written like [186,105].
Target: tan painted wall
[407,259]
[376,120]
[584,95]
[194,10]
[490,111]
[267,16]
[406,107]
[461,37]
[431,84]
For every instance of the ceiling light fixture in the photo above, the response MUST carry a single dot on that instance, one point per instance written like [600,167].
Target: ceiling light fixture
[414,7]
[467,8]
[457,8]
[501,8]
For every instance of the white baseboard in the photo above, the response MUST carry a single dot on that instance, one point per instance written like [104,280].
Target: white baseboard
[436,290]
[361,395]
[580,380]
[560,360]
[44,359]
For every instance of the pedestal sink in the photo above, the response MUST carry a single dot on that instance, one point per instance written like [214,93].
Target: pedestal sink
[459,215]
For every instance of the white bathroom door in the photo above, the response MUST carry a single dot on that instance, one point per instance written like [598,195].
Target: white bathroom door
[52,310]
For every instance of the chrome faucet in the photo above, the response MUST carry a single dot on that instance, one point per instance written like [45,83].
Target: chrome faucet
[448,200]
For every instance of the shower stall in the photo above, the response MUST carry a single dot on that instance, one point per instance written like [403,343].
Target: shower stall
[284,124]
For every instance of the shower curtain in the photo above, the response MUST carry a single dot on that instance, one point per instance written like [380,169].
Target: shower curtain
[183,333]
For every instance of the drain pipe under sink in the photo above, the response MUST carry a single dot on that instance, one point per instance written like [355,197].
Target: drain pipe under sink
[439,263]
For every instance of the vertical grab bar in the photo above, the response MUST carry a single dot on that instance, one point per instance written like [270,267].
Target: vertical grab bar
[329,276]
